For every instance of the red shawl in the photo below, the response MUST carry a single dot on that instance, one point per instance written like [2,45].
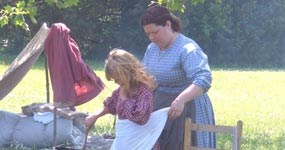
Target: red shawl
[73,81]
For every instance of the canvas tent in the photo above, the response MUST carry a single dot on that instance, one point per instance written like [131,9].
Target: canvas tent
[23,63]
[13,75]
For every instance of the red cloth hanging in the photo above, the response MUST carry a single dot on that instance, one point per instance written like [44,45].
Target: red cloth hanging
[73,81]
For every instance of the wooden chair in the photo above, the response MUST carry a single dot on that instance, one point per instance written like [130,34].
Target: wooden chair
[236,131]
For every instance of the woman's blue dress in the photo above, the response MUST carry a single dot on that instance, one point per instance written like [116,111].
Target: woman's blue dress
[174,69]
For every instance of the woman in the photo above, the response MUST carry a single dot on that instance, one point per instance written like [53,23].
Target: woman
[183,76]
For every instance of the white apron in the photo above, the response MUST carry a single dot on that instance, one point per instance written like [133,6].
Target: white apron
[131,136]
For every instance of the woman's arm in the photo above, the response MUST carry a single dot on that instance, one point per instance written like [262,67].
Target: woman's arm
[195,64]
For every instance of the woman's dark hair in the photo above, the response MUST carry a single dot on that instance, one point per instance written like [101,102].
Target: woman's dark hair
[159,15]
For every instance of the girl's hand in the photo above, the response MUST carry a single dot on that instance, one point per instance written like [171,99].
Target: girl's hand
[176,109]
[91,119]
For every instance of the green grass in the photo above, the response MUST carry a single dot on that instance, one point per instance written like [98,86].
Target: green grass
[255,97]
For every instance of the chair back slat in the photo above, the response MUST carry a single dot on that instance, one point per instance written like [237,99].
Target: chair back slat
[235,131]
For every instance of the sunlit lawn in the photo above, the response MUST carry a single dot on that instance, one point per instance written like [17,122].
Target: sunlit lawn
[255,97]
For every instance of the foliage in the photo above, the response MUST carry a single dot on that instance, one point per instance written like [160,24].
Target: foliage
[18,21]
[17,14]
[93,32]
[244,33]
[231,32]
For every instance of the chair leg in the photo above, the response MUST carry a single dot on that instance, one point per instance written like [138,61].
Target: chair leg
[187,134]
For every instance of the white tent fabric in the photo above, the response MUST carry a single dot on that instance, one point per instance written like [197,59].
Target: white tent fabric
[23,62]
[131,136]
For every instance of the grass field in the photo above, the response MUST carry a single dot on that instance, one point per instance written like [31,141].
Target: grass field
[254,96]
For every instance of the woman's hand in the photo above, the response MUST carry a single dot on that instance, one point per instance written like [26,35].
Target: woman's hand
[176,109]
[187,95]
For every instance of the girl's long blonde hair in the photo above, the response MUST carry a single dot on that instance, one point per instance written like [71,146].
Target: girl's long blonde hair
[125,66]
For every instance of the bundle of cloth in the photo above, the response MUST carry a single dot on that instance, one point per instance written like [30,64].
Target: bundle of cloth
[34,127]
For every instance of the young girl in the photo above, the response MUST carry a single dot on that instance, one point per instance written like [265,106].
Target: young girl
[132,102]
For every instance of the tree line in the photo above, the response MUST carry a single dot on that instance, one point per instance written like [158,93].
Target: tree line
[232,32]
